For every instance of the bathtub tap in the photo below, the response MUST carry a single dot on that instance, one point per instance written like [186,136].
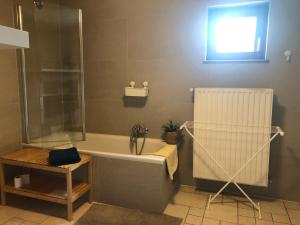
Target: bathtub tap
[138,131]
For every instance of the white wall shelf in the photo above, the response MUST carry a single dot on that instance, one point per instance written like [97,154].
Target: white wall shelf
[136,92]
[13,38]
[133,91]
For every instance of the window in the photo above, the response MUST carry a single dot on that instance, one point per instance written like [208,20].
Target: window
[237,32]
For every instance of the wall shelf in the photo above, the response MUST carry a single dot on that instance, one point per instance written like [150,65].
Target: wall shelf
[13,38]
[136,92]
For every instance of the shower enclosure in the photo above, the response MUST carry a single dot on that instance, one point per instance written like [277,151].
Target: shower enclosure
[51,73]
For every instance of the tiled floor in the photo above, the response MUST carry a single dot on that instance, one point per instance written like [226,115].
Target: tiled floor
[17,216]
[188,204]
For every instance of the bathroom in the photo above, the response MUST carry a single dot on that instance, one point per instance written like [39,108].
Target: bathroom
[110,43]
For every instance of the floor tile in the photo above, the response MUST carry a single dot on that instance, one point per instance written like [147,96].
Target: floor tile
[31,216]
[222,212]
[31,210]
[189,204]
[264,216]
[6,213]
[28,223]
[190,199]
[195,220]
[243,220]
[246,212]
[241,198]
[177,210]
[16,216]
[208,221]
[186,188]
[55,221]
[280,218]
[227,223]
[245,205]
[229,200]
[218,199]
[294,216]
[14,221]
[275,206]
[292,205]
[196,211]
[263,222]
[205,193]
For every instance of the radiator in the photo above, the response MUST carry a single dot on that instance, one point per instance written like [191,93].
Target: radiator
[232,124]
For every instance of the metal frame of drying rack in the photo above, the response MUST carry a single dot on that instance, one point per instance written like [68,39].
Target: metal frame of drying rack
[231,178]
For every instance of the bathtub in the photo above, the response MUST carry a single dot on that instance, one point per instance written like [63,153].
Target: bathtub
[119,147]
[122,178]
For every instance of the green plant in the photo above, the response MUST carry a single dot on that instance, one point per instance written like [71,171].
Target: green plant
[171,126]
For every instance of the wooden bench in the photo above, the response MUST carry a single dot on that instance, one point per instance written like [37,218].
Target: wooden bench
[62,190]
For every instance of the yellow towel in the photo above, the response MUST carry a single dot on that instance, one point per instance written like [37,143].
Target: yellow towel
[170,153]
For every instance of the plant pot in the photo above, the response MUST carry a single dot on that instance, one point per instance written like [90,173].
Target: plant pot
[171,137]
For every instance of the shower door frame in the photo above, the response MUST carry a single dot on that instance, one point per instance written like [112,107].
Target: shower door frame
[25,114]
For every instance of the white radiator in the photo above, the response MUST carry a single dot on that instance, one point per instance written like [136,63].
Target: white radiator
[232,124]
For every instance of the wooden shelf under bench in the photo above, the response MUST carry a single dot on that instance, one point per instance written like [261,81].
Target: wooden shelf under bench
[62,190]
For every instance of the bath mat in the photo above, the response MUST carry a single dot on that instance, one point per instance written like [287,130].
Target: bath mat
[100,214]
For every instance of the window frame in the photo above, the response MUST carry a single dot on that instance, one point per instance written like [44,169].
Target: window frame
[260,10]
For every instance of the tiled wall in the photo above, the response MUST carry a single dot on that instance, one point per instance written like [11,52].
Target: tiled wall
[10,116]
[163,42]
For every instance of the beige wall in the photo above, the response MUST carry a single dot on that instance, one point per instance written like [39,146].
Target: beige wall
[10,117]
[163,42]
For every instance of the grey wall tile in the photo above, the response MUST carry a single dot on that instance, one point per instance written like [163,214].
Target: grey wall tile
[163,41]
[10,122]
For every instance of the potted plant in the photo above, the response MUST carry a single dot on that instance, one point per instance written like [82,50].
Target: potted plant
[171,132]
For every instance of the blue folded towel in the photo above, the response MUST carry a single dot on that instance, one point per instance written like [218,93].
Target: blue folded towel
[64,156]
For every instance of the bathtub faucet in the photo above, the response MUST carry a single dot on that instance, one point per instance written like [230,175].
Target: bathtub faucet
[138,131]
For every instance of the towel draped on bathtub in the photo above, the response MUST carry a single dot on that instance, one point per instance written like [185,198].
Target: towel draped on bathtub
[170,153]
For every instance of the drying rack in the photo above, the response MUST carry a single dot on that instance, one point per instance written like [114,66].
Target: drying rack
[274,132]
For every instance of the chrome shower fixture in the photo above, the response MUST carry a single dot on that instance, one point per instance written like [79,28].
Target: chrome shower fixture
[138,131]
[38,3]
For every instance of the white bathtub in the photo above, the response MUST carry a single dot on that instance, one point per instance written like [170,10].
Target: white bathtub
[122,178]
[116,146]
[119,176]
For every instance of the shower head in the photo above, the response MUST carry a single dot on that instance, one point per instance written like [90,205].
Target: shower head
[38,3]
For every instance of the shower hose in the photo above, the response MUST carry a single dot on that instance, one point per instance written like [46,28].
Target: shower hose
[138,131]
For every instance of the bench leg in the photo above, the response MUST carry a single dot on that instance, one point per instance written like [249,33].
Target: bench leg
[90,180]
[2,183]
[69,196]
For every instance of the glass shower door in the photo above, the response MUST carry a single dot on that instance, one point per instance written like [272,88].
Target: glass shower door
[52,74]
